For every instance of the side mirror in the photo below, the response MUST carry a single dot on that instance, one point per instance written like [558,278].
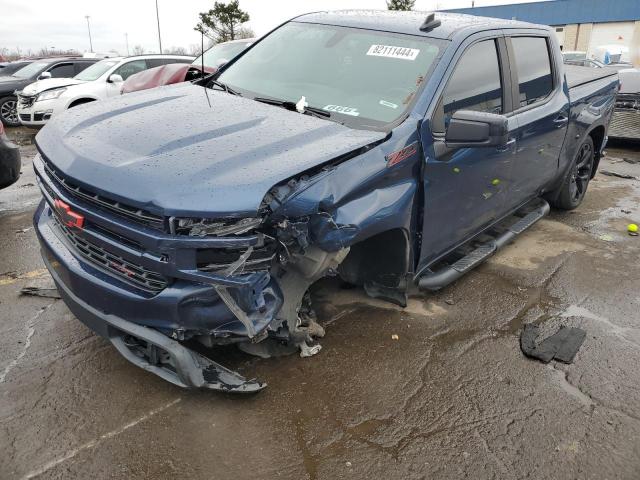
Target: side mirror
[468,128]
[115,78]
[44,75]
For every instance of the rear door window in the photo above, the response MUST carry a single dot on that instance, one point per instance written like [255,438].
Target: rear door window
[80,66]
[62,70]
[533,65]
[158,62]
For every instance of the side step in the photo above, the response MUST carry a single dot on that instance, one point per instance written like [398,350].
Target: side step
[433,281]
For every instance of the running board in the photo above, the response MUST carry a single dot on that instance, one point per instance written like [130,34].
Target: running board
[441,278]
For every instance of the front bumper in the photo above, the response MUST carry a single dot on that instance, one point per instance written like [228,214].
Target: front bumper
[152,351]
[36,114]
[9,162]
[193,303]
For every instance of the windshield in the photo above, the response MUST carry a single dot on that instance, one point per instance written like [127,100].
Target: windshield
[95,71]
[31,69]
[363,78]
[221,53]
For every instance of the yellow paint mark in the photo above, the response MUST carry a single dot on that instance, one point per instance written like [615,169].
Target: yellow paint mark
[8,280]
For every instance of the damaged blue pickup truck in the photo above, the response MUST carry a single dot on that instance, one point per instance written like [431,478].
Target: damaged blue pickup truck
[396,150]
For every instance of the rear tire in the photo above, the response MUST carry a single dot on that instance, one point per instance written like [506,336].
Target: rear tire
[9,112]
[572,191]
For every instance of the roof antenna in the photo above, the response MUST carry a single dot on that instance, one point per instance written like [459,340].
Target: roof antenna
[202,51]
[430,23]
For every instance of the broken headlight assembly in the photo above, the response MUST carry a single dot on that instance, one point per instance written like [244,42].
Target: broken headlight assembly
[203,227]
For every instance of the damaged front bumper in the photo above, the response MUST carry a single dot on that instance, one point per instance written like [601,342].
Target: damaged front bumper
[152,351]
[149,336]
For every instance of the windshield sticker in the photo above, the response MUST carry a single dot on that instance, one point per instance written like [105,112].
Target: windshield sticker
[384,103]
[388,51]
[343,110]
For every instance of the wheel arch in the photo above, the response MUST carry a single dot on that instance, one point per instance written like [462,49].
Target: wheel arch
[597,136]
[80,101]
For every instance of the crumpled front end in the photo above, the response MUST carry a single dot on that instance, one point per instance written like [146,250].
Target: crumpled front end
[156,285]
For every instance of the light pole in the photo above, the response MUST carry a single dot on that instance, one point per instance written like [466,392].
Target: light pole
[89,28]
[158,18]
[126,39]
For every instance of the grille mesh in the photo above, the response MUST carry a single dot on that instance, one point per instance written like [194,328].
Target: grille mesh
[139,215]
[625,124]
[137,275]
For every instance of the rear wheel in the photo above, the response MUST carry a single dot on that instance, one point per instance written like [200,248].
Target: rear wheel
[9,112]
[574,187]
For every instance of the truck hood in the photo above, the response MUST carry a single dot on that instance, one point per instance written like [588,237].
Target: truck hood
[184,150]
[48,84]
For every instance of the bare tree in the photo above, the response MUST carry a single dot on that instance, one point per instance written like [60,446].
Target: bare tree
[245,32]
[175,51]
[138,50]
[195,49]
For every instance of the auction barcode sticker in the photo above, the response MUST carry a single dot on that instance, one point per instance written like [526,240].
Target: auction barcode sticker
[388,51]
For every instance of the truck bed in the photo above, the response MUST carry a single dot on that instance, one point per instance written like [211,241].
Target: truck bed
[578,75]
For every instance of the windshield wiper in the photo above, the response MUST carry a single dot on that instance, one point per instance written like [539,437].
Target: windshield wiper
[225,87]
[313,111]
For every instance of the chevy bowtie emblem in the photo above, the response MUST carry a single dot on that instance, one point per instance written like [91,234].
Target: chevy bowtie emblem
[67,216]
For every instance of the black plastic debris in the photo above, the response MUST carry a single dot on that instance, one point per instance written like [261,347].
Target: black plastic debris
[41,287]
[562,345]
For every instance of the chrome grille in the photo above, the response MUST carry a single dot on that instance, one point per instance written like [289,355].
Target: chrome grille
[625,124]
[136,214]
[125,270]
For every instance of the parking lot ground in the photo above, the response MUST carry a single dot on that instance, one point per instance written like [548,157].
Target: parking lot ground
[451,397]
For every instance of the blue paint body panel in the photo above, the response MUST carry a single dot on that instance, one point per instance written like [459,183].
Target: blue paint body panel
[185,151]
[560,12]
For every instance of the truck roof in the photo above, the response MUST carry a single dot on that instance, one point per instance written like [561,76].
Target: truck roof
[410,22]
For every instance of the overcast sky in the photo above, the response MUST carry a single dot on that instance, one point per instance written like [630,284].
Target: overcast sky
[33,24]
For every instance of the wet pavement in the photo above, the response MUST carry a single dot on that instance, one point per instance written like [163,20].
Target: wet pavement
[437,390]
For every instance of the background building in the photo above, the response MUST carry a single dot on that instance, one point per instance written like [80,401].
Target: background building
[582,25]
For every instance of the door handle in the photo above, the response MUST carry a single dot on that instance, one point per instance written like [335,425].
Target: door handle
[507,146]
[561,120]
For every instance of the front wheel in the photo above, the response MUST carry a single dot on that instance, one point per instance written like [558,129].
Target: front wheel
[9,111]
[574,187]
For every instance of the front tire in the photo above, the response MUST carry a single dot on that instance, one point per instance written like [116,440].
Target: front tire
[573,189]
[9,111]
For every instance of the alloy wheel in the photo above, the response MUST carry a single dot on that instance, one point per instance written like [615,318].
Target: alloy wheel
[581,172]
[9,112]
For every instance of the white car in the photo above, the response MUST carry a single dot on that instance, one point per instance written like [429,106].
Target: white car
[40,101]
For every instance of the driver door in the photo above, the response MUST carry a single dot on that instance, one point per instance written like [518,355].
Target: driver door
[465,189]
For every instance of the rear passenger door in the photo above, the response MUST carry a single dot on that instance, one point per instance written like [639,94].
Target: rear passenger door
[541,107]
[465,188]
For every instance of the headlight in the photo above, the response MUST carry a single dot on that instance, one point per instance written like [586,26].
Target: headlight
[51,94]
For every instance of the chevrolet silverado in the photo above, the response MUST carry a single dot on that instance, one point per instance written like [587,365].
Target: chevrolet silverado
[396,150]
